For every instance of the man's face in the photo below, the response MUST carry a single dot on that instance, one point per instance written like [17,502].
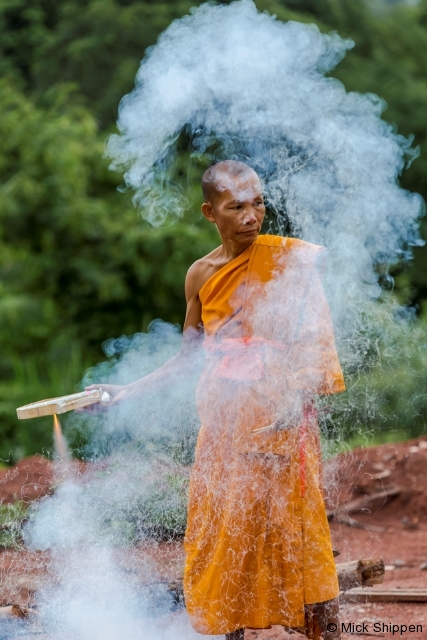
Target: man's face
[237,208]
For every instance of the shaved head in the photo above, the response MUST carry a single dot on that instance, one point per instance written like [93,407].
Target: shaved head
[223,175]
[234,203]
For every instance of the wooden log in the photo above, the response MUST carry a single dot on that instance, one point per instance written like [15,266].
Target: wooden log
[360,573]
[352,522]
[384,595]
[364,501]
[11,611]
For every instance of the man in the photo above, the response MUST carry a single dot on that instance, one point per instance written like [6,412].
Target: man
[258,549]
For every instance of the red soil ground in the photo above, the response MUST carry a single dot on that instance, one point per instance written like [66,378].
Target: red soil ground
[30,479]
[400,535]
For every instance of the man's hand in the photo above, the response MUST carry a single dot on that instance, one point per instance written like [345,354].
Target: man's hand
[116,392]
[180,366]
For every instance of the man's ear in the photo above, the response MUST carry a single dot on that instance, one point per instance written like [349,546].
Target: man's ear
[207,211]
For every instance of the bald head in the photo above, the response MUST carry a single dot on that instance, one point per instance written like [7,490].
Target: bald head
[223,176]
[234,203]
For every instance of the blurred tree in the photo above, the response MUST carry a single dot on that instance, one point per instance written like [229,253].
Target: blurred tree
[96,44]
[77,266]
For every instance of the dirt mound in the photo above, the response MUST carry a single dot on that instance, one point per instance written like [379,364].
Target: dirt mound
[363,471]
[30,479]
[368,471]
[350,476]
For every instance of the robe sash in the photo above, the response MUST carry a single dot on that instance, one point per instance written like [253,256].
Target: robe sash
[241,358]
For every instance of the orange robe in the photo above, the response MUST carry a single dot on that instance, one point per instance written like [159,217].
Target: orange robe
[257,543]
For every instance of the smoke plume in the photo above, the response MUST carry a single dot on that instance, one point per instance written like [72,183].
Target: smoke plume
[246,86]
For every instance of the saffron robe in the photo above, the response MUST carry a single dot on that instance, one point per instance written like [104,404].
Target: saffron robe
[257,543]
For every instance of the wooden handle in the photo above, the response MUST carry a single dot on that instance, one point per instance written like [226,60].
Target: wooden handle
[50,406]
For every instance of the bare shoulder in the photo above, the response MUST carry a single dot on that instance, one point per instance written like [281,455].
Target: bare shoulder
[200,272]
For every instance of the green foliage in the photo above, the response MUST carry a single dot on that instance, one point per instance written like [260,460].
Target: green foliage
[385,398]
[77,265]
[397,384]
[162,515]
[155,508]
[12,518]
[96,44]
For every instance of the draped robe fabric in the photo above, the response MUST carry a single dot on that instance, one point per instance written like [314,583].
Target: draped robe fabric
[257,543]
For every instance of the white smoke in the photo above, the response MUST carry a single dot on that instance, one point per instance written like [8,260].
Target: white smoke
[249,87]
[240,79]
[133,492]
[93,594]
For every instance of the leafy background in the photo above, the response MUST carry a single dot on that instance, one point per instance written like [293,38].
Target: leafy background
[77,263]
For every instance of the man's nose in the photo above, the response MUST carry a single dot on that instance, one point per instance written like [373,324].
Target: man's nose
[249,217]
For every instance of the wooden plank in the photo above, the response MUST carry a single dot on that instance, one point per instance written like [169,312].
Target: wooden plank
[360,573]
[384,595]
[362,502]
[59,405]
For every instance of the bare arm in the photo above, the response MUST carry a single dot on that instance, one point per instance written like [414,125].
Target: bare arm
[182,364]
